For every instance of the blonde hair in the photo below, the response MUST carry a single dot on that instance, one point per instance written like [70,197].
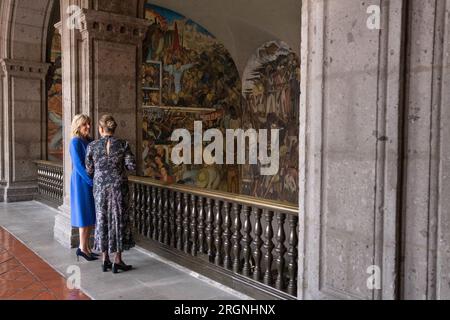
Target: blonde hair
[108,123]
[77,122]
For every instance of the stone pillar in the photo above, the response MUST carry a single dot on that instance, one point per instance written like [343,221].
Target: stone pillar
[22,122]
[426,214]
[350,120]
[101,64]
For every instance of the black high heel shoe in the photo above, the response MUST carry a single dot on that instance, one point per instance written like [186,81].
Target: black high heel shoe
[120,266]
[106,265]
[88,257]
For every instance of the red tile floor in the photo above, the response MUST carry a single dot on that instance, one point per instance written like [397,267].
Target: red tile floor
[25,276]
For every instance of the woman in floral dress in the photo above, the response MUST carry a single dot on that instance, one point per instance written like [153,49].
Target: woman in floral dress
[108,160]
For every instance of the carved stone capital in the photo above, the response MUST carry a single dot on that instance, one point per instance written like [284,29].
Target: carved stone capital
[112,27]
[22,68]
[58,27]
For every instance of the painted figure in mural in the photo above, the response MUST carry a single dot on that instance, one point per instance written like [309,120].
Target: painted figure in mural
[176,71]
[107,161]
[271,89]
[54,102]
[82,206]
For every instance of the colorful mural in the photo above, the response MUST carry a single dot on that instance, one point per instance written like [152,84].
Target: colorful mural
[54,102]
[271,90]
[197,71]
[188,76]
[186,68]
[157,148]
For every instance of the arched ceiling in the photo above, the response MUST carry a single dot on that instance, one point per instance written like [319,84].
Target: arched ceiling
[243,26]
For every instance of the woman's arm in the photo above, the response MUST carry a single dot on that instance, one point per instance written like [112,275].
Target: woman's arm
[130,161]
[89,161]
[77,161]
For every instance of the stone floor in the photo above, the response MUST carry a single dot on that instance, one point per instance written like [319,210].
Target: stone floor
[25,276]
[153,278]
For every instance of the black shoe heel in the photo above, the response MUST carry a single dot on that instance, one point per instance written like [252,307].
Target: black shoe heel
[106,265]
[88,257]
[116,267]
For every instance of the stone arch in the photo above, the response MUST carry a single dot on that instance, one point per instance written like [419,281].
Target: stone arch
[23,42]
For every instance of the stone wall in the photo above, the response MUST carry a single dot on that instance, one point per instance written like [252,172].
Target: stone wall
[426,212]
[374,121]
[22,60]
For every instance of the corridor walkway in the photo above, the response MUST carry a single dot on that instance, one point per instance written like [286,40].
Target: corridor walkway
[154,278]
[25,276]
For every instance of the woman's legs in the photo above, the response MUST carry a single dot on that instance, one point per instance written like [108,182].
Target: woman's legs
[105,257]
[84,239]
[88,237]
[118,258]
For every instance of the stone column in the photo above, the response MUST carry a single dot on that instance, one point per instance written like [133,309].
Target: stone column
[101,64]
[350,121]
[426,214]
[22,123]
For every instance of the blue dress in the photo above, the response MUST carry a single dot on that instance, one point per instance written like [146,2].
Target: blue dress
[81,198]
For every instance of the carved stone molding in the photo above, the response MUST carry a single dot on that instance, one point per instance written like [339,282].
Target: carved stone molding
[112,27]
[22,68]
[58,27]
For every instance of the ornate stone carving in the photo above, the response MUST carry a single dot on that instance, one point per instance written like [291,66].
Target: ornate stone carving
[22,68]
[112,27]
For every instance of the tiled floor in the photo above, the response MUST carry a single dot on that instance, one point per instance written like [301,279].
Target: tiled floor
[25,276]
[152,277]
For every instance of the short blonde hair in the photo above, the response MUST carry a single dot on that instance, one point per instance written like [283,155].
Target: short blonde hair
[77,122]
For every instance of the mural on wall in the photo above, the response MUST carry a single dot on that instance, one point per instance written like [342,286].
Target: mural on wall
[54,102]
[271,90]
[187,76]
[196,69]
[157,148]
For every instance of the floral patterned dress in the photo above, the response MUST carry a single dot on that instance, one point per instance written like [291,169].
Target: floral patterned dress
[113,231]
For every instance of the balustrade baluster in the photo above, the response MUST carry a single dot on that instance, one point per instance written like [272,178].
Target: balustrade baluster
[237,236]
[179,222]
[154,234]
[172,198]
[201,226]
[257,254]
[186,222]
[218,233]
[138,208]
[194,230]
[292,255]
[268,246]
[280,249]
[160,215]
[166,217]
[148,222]
[227,236]
[143,210]
[209,228]
[246,240]
[132,204]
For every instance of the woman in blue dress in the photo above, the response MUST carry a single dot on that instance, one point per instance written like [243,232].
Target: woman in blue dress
[81,198]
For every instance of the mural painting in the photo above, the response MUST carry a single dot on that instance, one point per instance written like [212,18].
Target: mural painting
[197,71]
[188,76]
[186,68]
[54,102]
[271,90]
[157,148]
